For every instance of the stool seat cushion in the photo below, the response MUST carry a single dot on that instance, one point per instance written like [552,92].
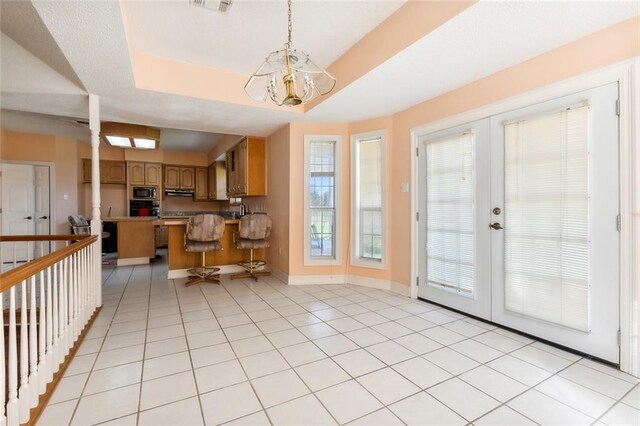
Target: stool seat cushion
[201,246]
[244,243]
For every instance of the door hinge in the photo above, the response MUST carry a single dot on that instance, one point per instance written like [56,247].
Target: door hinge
[618,223]
[417,152]
[417,281]
[417,216]
[619,337]
[618,107]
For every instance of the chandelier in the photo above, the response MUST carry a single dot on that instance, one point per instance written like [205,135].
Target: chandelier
[289,76]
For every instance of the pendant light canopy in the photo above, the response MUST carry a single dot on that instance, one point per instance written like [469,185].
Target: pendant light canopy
[289,76]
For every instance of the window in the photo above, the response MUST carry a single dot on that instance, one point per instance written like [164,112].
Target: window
[322,200]
[367,202]
[450,217]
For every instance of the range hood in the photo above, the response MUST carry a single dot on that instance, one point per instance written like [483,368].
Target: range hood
[178,192]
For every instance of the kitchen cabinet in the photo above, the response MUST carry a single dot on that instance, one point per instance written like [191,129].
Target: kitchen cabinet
[144,173]
[177,177]
[110,171]
[187,178]
[201,192]
[217,181]
[152,174]
[246,168]
[162,236]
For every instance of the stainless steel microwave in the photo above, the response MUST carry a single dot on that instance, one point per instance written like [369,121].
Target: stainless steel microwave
[143,193]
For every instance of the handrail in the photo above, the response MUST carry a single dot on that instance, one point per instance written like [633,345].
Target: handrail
[21,273]
[56,237]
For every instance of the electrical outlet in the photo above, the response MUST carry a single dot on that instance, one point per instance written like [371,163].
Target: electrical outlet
[280,251]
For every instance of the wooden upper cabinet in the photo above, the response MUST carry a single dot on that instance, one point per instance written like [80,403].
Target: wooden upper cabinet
[176,177]
[218,181]
[246,168]
[172,177]
[153,174]
[110,171]
[116,171]
[187,178]
[136,173]
[201,191]
[211,182]
[144,173]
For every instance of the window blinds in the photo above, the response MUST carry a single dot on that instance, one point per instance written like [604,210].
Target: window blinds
[546,218]
[369,202]
[450,215]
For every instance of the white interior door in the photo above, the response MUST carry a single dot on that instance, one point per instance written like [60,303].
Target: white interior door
[454,240]
[17,208]
[555,262]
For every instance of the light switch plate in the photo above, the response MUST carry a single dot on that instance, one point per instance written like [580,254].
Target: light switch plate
[404,187]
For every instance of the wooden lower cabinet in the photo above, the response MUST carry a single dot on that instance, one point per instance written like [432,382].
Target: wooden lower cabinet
[178,258]
[162,236]
[136,239]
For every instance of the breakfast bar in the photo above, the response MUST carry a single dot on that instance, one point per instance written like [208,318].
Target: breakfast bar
[178,260]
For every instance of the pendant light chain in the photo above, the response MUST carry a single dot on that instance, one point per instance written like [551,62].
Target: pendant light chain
[289,26]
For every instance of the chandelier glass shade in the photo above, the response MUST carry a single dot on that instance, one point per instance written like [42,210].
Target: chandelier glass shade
[289,77]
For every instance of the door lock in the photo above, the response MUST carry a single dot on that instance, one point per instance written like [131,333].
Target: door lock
[496,211]
[496,226]
[28,217]
[44,217]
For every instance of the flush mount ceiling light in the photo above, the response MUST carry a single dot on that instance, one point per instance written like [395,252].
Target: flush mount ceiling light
[130,136]
[289,76]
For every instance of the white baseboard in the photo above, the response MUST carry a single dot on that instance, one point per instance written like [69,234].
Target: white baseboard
[315,279]
[379,284]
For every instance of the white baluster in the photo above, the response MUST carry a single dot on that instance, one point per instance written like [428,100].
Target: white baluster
[42,338]
[57,359]
[23,391]
[50,358]
[33,344]
[3,378]
[64,297]
[13,403]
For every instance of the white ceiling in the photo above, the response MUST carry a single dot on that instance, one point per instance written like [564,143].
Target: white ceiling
[240,39]
[483,39]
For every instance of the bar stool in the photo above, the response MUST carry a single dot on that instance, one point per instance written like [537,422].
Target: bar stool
[203,235]
[253,230]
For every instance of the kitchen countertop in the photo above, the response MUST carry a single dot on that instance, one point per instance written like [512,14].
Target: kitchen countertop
[128,218]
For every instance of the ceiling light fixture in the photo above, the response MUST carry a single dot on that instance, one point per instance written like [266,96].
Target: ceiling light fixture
[130,135]
[291,72]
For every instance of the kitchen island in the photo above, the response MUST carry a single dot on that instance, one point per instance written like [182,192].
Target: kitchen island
[178,260]
[136,239]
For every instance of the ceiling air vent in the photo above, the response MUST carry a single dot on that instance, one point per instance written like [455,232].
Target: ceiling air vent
[217,5]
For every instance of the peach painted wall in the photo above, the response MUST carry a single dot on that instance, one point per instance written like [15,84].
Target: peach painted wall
[608,46]
[605,47]
[223,146]
[63,152]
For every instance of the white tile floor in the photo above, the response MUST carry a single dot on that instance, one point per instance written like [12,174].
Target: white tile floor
[265,353]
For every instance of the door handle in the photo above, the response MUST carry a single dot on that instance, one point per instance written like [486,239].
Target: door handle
[496,225]
[43,217]
[28,217]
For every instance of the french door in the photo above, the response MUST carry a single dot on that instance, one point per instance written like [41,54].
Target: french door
[520,220]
